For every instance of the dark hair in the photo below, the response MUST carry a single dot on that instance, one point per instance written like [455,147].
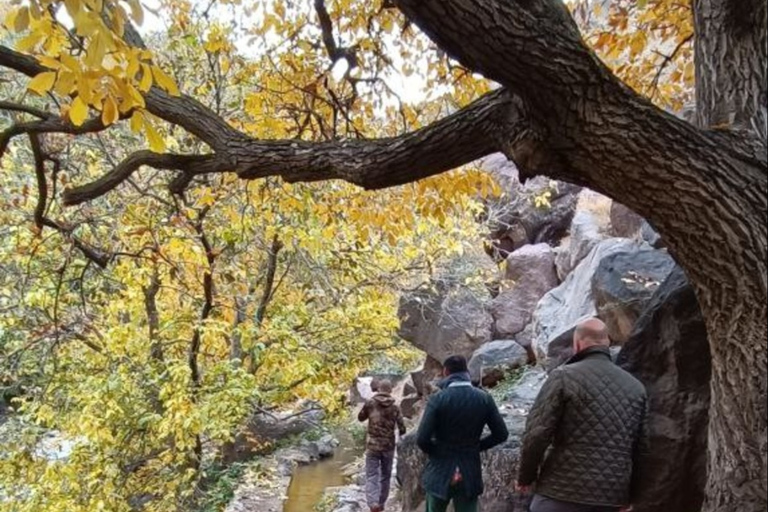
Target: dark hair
[455,364]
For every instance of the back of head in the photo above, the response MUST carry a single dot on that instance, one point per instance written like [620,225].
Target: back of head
[591,332]
[455,364]
[384,386]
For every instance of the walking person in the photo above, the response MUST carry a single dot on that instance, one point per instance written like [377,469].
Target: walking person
[451,434]
[383,417]
[585,432]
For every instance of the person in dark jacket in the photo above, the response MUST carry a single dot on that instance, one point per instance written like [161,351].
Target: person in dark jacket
[451,434]
[585,432]
[383,417]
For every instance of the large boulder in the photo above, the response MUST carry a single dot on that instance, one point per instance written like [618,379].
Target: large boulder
[262,430]
[493,361]
[500,464]
[562,308]
[584,234]
[517,219]
[622,286]
[669,352]
[531,270]
[446,322]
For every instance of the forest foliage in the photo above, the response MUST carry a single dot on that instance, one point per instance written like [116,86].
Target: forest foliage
[145,326]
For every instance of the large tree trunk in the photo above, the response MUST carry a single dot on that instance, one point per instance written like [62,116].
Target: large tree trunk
[731,92]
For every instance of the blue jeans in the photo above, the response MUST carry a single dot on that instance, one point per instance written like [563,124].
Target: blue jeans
[378,476]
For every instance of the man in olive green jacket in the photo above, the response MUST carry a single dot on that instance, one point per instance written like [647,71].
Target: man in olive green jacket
[585,432]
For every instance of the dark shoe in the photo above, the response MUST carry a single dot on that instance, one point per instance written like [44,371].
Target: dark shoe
[376,508]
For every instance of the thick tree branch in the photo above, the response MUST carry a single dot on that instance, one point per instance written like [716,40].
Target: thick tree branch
[27,109]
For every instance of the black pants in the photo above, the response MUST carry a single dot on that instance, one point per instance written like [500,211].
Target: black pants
[543,504]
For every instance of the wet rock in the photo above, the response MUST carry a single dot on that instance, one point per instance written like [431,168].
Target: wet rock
[669,352]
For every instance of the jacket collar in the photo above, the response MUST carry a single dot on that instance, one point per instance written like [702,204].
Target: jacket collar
[590,352]
[454,378]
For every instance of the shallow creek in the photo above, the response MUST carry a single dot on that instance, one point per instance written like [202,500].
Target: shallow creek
[309,482]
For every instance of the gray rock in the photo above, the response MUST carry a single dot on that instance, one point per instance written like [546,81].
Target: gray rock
[429,371]
[584,234]
[516,220]
[622,286]
[409,405]
[669,352]
[326,446]
[625,223]
[532,272]
[499,464]
[650,235]
[562,308]
[263,429]
[494,360]
[453,321]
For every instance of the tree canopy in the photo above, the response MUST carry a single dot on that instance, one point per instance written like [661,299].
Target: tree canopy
[185,232]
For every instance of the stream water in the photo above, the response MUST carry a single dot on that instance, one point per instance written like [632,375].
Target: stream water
[309,482]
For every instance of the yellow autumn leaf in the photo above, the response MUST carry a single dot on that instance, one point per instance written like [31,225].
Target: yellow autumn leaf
[78,112]
[156,142]
[137,121]
[109,113]
[146,78]
[42,83]
[164,81]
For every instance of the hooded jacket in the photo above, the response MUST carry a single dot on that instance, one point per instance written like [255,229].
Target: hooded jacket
[383,416]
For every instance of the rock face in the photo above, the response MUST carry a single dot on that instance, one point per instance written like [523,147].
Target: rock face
[499,464]
[429,371]
[560,309]
[623,284]
[625,223]
[584,234]
[454,321]
[669,352]
[493,360]
[532,272]
[517,220]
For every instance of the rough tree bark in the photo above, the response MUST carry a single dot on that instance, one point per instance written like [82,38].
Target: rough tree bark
[563,114]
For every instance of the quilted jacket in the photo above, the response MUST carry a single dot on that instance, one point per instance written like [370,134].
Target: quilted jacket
[585,432]
[383,417]
[451,434]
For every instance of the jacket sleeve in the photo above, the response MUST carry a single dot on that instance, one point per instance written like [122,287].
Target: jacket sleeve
[364,412]
[540,427]
[640,456]
[495,422]
[400,422]
[427,427]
